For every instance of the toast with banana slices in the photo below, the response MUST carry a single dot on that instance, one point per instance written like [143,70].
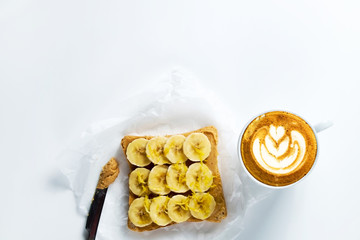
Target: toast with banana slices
[174,179]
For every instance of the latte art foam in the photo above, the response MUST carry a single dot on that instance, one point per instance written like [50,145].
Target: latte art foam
[277,152]
[278,148]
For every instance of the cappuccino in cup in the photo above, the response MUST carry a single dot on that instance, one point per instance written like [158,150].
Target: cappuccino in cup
[278,148]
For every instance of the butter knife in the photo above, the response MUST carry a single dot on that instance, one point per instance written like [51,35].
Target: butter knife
[107,176]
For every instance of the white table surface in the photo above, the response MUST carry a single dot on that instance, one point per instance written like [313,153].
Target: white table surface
[62,63]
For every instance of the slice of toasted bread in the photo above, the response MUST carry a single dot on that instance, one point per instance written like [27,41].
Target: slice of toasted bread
[216,191]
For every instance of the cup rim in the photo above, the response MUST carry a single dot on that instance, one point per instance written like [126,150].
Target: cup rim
[258,181]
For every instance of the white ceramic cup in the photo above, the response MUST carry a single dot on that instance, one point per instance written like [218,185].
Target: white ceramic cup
[315,128]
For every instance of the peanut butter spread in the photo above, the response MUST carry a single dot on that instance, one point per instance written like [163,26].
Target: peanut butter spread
[108,174]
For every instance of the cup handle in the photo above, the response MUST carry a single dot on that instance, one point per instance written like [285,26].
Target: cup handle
[322,126]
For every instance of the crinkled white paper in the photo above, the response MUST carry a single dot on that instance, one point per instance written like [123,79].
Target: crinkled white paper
[178,104]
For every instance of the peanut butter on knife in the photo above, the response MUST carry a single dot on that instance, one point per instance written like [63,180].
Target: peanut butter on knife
[108,174]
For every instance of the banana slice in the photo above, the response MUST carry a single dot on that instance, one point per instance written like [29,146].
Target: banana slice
[138,181]
[202,205]
[157,180]
[178,209]
[173,149]
[197,147]
[135,152]
[176,178]
[158,211]
[155,150]
[138,214]
[199,177]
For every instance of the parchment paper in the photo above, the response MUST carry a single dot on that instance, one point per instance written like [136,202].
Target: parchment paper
[177,104]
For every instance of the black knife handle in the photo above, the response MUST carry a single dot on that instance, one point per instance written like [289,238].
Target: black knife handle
[97,204]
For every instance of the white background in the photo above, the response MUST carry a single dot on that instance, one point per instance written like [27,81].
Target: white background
[62,64]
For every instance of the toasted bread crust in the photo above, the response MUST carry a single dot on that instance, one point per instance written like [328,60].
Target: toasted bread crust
[216,191]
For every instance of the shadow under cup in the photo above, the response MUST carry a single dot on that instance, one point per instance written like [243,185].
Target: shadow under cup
[278,148]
